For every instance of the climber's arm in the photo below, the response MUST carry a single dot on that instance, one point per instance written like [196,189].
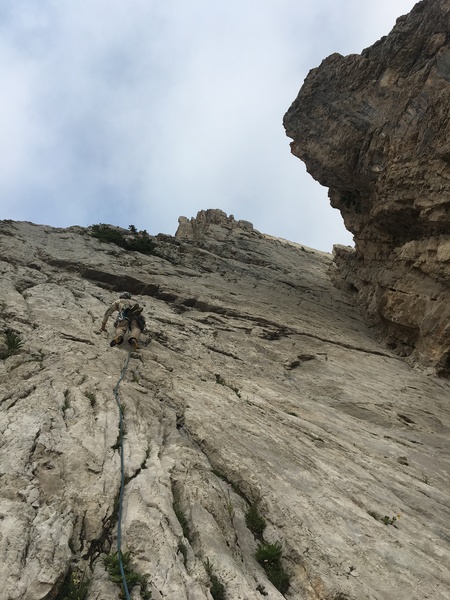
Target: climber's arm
[108,313]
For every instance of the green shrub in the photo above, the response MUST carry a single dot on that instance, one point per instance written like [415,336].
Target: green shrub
[108,234]
[75,586]
[255,522]
[269,557]
[13,345]
[140,242]
[113,567]
[217,588]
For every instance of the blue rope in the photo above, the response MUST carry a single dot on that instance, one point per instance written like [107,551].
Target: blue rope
[122,481]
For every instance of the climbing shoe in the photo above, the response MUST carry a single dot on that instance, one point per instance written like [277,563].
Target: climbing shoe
[133,343]
[117,341]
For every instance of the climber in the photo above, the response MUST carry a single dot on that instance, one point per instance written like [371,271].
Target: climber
[129,318]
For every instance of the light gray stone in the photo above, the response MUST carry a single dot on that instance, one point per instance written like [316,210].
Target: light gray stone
[260,384]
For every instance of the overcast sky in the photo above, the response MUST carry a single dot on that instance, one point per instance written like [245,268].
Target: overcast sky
[139,111]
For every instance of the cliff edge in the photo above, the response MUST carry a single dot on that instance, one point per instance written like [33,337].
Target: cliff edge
[374,128]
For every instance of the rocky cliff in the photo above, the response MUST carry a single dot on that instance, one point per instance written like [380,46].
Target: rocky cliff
[374,128]
[260,415]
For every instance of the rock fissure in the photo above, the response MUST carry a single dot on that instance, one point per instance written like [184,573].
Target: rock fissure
[224,352]
[77,339]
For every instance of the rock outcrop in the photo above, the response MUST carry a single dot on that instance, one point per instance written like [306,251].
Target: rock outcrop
[260,388]
[212,223]
[374,128]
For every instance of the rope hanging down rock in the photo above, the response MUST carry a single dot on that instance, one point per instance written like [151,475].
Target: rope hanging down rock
[122,480]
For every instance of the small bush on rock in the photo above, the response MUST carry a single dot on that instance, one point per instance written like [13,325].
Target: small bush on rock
[75,586]
[13,345]
[255,522]
[217,588]
[138,241]
[113,567]
[269,557]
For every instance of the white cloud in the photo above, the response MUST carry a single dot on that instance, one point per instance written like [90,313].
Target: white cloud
[139,112]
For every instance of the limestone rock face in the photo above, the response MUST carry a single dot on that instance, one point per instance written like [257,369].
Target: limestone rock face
[260,386]
[374,128]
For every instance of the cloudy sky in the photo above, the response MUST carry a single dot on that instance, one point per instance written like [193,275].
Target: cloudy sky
[139,111]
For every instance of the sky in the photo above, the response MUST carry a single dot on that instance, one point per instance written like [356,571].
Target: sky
[140,111]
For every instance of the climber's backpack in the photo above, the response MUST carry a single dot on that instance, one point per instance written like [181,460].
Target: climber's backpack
[130,312]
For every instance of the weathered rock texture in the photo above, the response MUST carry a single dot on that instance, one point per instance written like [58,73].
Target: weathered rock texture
[260,385]
[374,128]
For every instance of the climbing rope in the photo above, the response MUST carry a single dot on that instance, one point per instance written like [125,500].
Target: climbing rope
[122,480]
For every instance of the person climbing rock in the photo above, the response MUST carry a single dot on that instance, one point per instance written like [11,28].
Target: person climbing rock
[129,318]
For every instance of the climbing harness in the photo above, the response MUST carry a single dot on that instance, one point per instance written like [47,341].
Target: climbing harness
[122,480]
[130,311]
[126,316]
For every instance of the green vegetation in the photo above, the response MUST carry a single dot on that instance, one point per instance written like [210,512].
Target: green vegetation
[230,508]
[75,586]
[217,588]
[255,522]
[13,345]
[132,577]
[138,241]
[269,557]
